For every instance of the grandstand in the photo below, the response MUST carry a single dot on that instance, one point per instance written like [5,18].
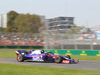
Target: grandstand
[21,39]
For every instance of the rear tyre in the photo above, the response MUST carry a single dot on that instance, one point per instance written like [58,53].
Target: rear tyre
[20,58]
[58,59]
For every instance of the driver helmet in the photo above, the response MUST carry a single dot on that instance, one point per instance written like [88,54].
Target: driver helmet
[42,51]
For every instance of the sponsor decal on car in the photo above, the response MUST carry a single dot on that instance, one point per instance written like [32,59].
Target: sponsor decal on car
[65,61]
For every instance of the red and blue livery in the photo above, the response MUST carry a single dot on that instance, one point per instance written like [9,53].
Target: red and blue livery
[40,55]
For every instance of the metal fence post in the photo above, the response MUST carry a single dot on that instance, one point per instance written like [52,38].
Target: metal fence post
[75,42]
[46,43]
[61,39]
[91,46]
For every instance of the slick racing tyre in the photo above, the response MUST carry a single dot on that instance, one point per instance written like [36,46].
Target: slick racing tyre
[58,59]
[20,58]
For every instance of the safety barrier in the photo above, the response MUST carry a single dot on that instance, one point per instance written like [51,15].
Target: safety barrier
[20,47]
[76,52]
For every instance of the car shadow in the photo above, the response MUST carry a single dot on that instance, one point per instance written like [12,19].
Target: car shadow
[39,61]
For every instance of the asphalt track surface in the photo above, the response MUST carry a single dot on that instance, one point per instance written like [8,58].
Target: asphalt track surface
[83,64]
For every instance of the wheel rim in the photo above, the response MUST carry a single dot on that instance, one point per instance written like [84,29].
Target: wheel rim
[19,57]
[57,59]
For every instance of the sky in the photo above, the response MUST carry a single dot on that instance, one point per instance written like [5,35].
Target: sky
[85,12]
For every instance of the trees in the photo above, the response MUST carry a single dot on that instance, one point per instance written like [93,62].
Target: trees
[10,24]
[75,29]
[27,23]
[2,29]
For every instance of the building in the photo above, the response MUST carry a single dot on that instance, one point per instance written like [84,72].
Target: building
[60,24]
[3,20]
[42,19]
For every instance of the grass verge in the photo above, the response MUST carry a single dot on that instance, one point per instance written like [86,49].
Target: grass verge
[85,57]
[12,69]
[7,54]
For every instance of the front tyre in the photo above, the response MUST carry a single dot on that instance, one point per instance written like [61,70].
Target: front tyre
[58,59]
[20,58]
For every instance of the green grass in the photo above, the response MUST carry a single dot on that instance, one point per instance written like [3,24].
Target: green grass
[12,69]
[85,57]
[7,54]
[11,54]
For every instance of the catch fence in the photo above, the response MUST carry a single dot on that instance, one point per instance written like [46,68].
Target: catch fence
[60,41]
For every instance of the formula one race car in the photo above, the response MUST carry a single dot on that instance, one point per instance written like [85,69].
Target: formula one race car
[40,55]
